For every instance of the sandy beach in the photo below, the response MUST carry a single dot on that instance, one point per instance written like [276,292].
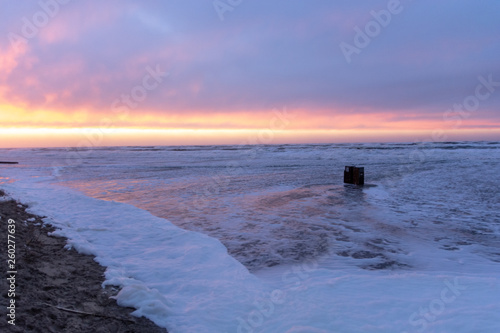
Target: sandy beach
[56,290]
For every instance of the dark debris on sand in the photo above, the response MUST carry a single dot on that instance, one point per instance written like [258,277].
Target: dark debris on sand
[57,290]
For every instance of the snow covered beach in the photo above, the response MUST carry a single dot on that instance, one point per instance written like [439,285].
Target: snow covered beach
[417,252]
[52,289]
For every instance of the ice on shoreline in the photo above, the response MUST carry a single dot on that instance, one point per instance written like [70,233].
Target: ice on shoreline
[186,281]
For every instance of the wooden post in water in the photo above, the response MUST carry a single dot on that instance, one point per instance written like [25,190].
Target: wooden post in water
[354,175]
[349,174]
[359,176]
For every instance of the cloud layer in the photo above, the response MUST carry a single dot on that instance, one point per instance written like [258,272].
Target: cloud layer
[67,63]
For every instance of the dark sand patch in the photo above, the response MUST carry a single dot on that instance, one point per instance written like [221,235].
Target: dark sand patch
[57,290]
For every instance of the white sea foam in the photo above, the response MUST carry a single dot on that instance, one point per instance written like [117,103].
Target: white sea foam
[180,279]
[439,255]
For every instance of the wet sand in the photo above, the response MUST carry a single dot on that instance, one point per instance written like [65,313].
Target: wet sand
[56,290]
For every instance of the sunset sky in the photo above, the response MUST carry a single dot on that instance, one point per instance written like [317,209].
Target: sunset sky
[122,72]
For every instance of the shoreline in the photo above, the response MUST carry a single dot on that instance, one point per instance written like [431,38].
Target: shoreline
[56,289]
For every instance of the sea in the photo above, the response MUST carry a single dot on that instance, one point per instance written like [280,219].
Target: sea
[268,238]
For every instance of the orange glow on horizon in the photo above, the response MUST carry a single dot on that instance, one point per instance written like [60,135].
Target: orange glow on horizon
[88,128]
[95,137]
[17,116]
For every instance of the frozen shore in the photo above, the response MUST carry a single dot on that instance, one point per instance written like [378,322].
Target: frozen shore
[56,290]
[418,252]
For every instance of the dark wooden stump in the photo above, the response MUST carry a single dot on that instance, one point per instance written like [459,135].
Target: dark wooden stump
[354,175]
